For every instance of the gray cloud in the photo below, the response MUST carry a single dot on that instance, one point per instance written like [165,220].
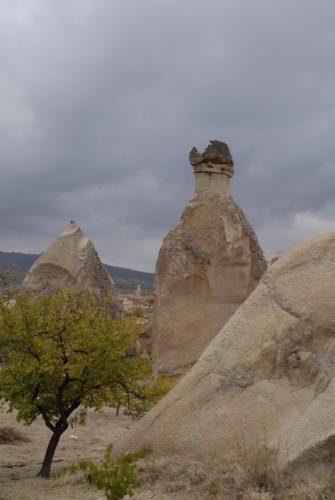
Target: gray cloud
[101,102]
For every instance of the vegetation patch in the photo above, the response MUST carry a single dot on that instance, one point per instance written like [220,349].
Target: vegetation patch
[9,435]
[116,477]
[139,312]
[63,353]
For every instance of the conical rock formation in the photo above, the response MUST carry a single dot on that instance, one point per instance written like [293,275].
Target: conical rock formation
[71,261]
[207,266]
[269,374]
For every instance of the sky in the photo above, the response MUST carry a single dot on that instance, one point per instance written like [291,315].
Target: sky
[102,100]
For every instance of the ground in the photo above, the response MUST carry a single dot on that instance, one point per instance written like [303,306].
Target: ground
[163,478]
[20,462]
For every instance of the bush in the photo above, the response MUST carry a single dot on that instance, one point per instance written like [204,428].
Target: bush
[116,477]
[138,312]
[6,281]
[258,465]
[9,435]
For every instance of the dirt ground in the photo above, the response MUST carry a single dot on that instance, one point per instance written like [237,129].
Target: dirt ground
[163,478]
[20,462]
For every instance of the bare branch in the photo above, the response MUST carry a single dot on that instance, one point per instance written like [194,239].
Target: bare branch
[46,419]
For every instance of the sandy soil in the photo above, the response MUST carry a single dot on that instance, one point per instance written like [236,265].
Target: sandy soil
[20,462]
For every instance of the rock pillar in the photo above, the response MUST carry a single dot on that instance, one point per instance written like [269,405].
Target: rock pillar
[207,266]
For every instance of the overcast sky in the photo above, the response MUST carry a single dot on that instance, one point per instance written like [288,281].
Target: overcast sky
[102,100]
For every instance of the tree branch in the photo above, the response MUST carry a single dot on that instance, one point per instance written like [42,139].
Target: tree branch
[130,391]
[60,395]
[35,393]
[46,419]
[73,407]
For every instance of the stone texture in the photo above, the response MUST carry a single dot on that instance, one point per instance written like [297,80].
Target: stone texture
[268,373]
[71,261]
[215,159]
[142,309]
[207,265]
[272,257]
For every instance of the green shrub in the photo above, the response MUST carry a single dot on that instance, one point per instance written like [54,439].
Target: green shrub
[116,477]
[138,312]
[6,282]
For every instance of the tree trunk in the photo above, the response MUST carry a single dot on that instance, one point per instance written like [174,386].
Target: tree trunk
[46,466]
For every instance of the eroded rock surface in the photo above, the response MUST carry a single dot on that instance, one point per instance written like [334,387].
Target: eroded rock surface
[207,265]
[71,261]
[272,257]
[269,374]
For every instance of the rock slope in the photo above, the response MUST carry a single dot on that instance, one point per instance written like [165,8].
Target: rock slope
[269,373]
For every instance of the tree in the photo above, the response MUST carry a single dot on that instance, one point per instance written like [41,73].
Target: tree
[63,351]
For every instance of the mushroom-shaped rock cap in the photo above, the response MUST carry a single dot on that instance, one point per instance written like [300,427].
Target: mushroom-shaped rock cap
[215,159]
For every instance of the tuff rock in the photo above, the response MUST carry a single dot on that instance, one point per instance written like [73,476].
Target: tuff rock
[207,266]
[269,373]
[71,261]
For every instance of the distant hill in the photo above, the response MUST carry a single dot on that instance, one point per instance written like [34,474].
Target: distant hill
[128,279]
[124,279]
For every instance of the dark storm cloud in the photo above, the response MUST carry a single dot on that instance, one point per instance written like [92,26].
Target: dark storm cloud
[101,102]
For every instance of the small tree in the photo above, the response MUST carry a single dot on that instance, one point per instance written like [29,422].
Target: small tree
[6,282]
[64,350]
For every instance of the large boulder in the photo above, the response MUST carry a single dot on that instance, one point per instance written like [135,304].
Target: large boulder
[207,266]
[71,261]
[269,372]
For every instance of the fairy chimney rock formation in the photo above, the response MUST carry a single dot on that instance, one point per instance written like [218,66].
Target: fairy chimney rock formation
[71,261]
[207,266]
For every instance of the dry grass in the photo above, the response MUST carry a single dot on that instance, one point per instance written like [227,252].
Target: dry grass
[257,466]
[254,474]
[9,435]
[245,477]
[190,478]
[314,483]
